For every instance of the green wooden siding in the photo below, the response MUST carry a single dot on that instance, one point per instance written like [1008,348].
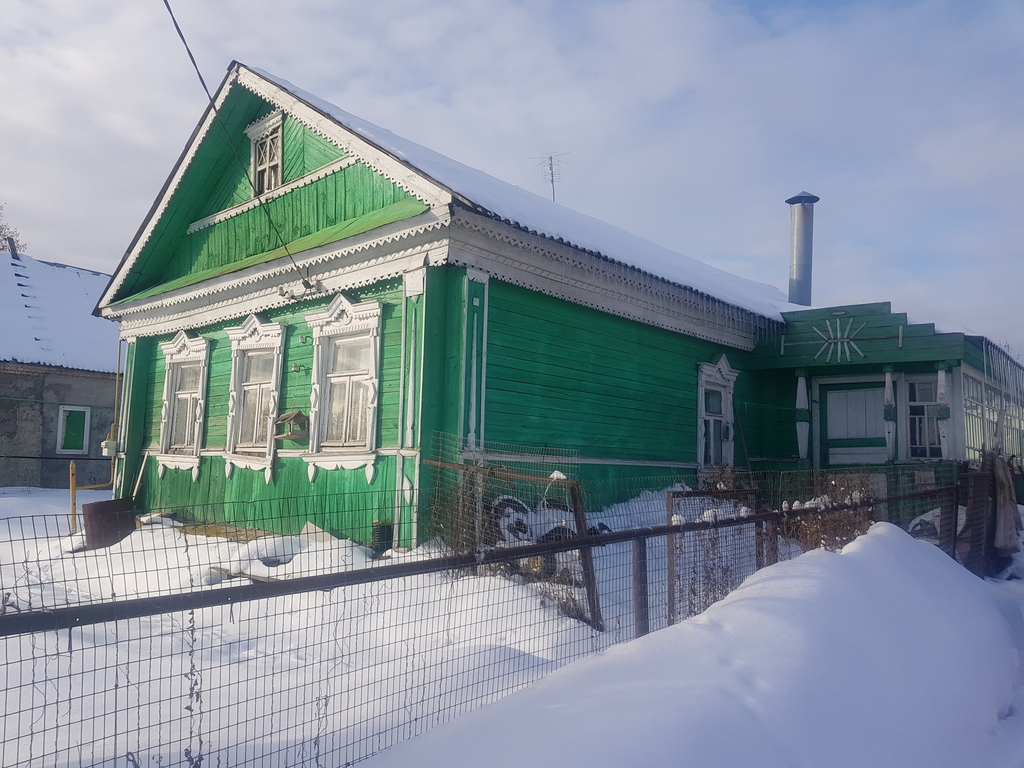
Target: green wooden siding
[876,334]
[290,480]
[340,197]
[216,180]
[568,377]
[341,502]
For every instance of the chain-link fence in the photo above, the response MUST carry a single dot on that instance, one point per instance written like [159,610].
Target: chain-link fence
[191,640]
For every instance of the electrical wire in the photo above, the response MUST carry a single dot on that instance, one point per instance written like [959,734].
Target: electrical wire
[306,284]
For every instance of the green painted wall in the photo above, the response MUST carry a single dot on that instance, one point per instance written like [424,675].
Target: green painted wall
[246,495]
[568,377]
[216,179]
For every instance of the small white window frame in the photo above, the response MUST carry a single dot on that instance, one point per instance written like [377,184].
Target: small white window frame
[259,132]
[250,336]
[719,376]
[343,319]
[182,349]
[84,450]
[937,404]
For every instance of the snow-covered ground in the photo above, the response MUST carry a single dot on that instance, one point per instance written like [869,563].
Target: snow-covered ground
[888,654]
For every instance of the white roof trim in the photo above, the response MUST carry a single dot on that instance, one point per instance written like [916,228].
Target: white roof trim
[361,150]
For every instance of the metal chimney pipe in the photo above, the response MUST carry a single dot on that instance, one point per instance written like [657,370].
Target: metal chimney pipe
[802,223]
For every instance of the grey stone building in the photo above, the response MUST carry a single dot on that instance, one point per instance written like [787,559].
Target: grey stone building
[57,373]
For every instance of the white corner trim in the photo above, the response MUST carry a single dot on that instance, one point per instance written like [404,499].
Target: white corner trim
[415,281]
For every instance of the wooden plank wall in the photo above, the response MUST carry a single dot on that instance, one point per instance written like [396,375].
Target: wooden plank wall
[564,376]
[290,473]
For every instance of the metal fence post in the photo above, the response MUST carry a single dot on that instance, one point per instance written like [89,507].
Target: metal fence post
[641,604]
[670,567]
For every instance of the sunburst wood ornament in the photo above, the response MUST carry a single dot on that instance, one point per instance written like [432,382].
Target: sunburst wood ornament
[838,340]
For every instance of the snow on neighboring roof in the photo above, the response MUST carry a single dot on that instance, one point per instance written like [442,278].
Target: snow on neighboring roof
[537,214]
[46,315]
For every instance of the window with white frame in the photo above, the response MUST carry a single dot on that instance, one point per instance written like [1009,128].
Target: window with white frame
[257,391]
[184,389]
[265,136]
[344,394]
[255,373]
[184,426]
[714,428]
[714,410]
[924,409]
[73,429]
[347,381]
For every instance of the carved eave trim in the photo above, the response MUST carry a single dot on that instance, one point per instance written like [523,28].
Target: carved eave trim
[361,150]
[360,262]
[541,264]
[413,182]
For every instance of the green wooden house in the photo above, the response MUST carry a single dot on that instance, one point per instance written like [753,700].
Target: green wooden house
[314,306]
[869,387]
[312,300]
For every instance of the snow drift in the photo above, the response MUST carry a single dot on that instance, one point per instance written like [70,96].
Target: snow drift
[887,654]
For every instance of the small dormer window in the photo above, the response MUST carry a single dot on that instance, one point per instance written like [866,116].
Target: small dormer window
[265,135]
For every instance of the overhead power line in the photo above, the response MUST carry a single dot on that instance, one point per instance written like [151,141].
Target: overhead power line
[306,284]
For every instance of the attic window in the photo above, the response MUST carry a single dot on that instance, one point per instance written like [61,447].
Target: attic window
[265,135]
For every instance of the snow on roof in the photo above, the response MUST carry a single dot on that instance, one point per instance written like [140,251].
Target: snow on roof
[46,314]
[537,214]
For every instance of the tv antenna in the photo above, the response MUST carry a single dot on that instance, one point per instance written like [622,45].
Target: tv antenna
[551,169]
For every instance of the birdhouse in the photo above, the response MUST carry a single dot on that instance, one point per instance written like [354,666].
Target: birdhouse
[296,426]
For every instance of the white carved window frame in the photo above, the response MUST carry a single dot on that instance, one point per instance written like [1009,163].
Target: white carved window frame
[250,336]
[718,376]
[343,319]
[264,132]
[181,350]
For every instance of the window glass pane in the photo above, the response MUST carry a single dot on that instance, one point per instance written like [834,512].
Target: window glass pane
[73,431]
[264,416]
[357,414]
[250,406]
[712,401]
[184,418]
[259,366]
[188,378]
[351,355]
[337,409]
[923,391]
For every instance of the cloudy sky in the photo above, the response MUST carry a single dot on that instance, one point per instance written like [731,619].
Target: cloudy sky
[688,122]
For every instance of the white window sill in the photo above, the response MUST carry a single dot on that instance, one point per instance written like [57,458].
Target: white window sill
[256,462]
[167,461]
[359,459]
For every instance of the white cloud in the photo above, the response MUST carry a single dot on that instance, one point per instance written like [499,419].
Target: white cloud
[687,122]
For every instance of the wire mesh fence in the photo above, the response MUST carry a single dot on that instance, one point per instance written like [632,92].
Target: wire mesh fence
[192,640]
